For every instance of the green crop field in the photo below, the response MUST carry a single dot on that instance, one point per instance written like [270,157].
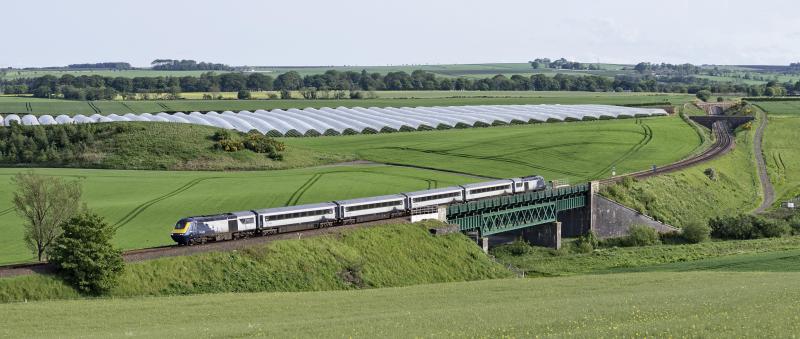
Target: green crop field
[576,151]
[145,204]
[780,147]
[29,105]
[689,304]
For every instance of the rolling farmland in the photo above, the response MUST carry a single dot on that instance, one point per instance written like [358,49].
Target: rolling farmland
[145,203]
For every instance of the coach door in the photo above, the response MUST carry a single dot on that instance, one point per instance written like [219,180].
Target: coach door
[233,225]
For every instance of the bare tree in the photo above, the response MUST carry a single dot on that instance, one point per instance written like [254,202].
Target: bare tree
[44,203]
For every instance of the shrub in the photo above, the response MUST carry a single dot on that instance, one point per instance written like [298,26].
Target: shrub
[356,95]
[272,96]
[286,94]
[243,95]
[84,255]
[641,235]
[696,231]
[711,173]
[221,135]
[586,243]
[517,248]
[747,226]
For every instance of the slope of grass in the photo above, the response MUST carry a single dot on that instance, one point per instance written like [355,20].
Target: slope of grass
[394,255]
[692,304]
[544,262]
[691,194]
[145,204]
[576,151]
[393,99]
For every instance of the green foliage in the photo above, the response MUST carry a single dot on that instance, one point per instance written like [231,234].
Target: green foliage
[515,248]
[385,256]
[703,94]
[243,95]
[711,173]
[747,226]
[85,256]
[254,141]
[696,231]
[641,235]
[54,145]
[586,243]
[44,203]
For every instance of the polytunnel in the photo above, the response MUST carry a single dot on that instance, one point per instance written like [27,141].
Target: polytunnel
[30,120]
[12,118]
[344,120]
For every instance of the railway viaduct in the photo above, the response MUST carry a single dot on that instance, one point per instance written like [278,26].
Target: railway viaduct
[543,217]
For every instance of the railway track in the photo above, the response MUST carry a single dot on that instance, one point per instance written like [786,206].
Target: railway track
[723,144]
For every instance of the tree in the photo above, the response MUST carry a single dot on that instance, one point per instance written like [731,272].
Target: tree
[44,203]
[703,94]
[84,255]
[243,94]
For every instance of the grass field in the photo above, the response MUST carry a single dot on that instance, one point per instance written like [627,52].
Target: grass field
[689,304]
[576,151]
[145,204]
[28,105]
[690,194]
[385,256]
[780,147]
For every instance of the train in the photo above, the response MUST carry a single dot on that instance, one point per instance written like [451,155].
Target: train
[268,221]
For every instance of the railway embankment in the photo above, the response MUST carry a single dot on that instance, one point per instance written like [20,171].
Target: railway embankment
[385,256]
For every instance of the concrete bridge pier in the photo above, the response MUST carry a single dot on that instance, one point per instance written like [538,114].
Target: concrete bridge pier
[545,235]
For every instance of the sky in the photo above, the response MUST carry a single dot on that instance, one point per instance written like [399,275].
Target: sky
[356,32]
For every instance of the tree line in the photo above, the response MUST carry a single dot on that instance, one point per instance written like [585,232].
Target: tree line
[96,87]
[187,65]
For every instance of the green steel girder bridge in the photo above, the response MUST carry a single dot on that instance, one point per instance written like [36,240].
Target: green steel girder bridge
[511,212]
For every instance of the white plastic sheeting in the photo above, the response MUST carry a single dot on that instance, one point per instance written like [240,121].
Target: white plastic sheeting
[343,120]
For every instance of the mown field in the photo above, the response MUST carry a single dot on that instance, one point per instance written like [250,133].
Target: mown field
[688,304]
[575,151]
[28,105]
[780,147]
[144,205]
[692,194]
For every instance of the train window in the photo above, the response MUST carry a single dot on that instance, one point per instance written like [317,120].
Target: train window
[375,205]
[489,189]
[437,197]
[247,220]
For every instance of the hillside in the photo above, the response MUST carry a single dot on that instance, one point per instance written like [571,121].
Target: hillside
[385,256]
[693,194]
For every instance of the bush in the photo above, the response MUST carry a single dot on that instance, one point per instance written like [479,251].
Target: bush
[703,94]
[747,226]
[356,95]
[586,243]
[286,94]
[711,173]
[516,248]
[696,232]
[243,95]
[641,235]
[84,255]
